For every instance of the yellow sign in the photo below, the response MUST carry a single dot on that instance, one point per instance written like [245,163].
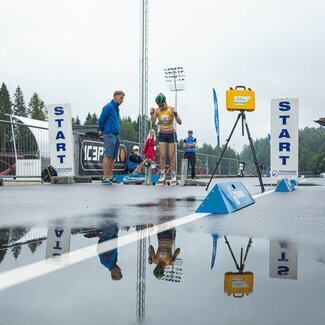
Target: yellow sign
[240,99]
[239,283]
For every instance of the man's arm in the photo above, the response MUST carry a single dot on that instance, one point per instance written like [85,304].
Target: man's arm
[185,145]
[136,159]
[176,253]
[177,117]
[103,117]
[193,144]
[153,115]
[151,254]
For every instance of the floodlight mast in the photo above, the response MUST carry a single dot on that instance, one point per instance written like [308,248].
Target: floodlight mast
[143,73]
[175,79]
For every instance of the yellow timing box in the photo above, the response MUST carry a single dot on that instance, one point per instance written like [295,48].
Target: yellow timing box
[239,283]
[240,99]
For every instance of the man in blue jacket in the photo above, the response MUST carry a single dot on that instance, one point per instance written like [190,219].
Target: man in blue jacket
[189,151]
[109,127]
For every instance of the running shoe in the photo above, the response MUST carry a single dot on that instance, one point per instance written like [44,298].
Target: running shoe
[162,178]
[106,181]
[114,180]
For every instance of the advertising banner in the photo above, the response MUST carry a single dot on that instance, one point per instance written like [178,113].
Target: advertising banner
[91,154]
[284,137]
[60,139]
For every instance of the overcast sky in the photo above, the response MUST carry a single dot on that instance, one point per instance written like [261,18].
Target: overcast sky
[79,52]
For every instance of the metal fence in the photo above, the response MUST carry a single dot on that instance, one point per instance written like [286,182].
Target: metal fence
[24,153]
[205,163]
[23,150]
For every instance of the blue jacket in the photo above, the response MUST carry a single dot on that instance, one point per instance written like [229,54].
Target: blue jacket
[108,259]
[109,120]
[190,140]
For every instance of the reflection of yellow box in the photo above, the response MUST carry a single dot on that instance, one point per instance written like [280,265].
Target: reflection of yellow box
[239,283]
[240,99]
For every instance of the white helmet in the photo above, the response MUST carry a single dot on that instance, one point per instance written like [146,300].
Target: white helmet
[135,148]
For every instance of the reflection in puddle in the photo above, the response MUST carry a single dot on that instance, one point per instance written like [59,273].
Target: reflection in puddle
[239,283]
[173,267]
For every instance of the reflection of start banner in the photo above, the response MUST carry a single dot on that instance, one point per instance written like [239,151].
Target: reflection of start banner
[58,245]
[284,138]
[91,154]
[283,260]
[60,139]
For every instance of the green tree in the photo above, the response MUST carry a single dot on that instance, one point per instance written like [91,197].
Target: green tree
[88,120]
[36,108]
[77,121]
[262,150]
[34,245]
[5,108]
[312,150]
[16,250]
[21,133]
[19,106]
[91,119]
[127,131]
[94,119]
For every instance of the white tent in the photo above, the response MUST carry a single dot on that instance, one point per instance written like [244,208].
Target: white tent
[40,130]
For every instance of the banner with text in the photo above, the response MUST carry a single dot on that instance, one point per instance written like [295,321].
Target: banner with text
[284,137]
[60,139]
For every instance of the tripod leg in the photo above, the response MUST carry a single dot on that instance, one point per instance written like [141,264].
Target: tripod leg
[232,254]
[254,154]
[224,149]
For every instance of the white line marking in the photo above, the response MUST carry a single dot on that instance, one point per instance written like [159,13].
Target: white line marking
[34,270]
[29,272]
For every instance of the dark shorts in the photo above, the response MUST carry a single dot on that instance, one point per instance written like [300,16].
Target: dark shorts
[168,234]
[111,145]
[167,137]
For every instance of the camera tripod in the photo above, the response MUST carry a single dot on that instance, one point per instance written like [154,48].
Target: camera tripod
[241,116]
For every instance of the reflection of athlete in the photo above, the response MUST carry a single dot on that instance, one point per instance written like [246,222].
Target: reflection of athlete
[167,134]
[107,257]
[164,255]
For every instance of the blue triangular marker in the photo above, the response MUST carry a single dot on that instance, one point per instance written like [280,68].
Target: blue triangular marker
[284,186]
[226,198]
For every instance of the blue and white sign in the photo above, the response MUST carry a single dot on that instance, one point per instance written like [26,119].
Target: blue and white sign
[283,260]
[284,137]
[58,245]
[60,139]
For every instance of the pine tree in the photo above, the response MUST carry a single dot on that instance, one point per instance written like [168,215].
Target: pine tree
[33,246]
[94,119]
[78,120]
[5,103]
[5,108]
[19,106]
[16,250]
[37,109]
[89,120]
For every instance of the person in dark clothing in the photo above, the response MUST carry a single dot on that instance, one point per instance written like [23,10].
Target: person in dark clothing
[107,257]
[109,126]
[136,161]
[189,145]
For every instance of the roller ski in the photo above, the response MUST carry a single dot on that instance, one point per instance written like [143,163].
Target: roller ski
[161,180]
[172,181]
